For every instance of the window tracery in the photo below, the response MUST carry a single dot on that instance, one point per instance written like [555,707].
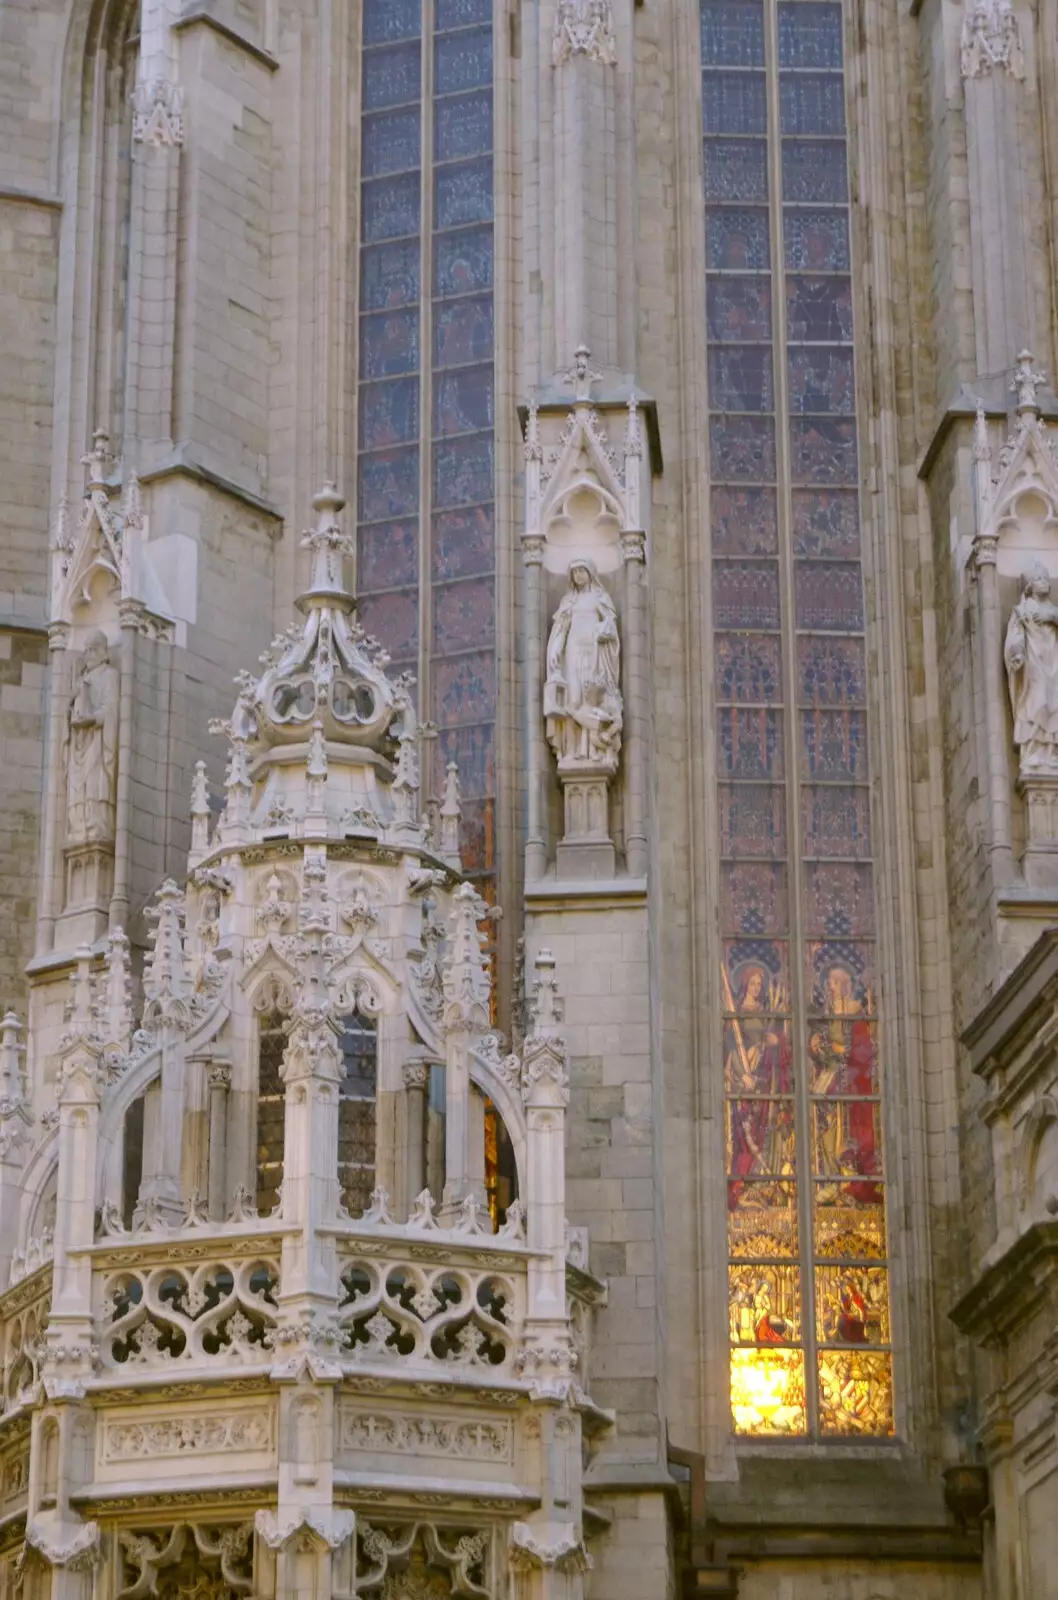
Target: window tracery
[271,1109]
[808,1281]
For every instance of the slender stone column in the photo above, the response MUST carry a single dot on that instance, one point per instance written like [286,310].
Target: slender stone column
[131,612]
[466,1019]
[218,1075]
[536,844]
[416,1086]
[998,754]
[51,891]
[633,551]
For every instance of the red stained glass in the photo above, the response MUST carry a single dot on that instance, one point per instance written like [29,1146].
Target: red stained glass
[834,746]
[463,331]
[465,690]
[826,522]
[744,521]
[821,381]
[765,1304]
[464,542]
[823,451]
[754,976]
[761,1137]
[752,819]
[836,821]
[753,898]
[847,1141]
[477,836]
[843,1054]
[828,595]
[748,668]
[738,310]
[839,899]
[462,401]
[831,672]
[388,556]
[393,619]
[750,743]
[746,594]
[464,615]
[389,484]
[742,449]
[389,412]
[852,1305]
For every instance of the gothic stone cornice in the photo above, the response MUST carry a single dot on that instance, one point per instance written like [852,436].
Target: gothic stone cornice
[1021,1284]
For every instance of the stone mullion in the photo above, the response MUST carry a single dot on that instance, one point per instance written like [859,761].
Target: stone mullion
[426,706]
[795,894]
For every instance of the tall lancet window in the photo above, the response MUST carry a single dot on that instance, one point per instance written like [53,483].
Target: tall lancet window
[271,1108]
[425,495]
[809,1291]
[356,1112]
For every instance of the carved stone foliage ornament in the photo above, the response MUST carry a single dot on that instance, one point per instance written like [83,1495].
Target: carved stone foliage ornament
[584,28]
[991,40]
[1031,657]
[90,747]
[158,113]
[582,695]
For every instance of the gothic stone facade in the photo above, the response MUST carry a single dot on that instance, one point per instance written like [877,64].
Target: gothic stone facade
[529,1063]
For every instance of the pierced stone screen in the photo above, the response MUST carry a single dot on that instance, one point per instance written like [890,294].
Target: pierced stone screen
[808,1285]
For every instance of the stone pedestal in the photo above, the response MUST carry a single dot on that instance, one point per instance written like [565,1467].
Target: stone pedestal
[586,851]
[1040,863]
[89,880]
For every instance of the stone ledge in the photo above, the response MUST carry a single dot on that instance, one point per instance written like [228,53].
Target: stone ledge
[547,894]
[206,19]
[181,465]
[11,194]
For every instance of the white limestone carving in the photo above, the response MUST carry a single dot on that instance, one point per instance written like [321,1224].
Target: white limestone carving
[218,1432]
[158,113]
[90,747]
[584,28]
[991,40]
[422,1434]
[1031,657]
[582,694]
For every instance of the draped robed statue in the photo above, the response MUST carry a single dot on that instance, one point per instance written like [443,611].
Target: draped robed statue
[1031,656]
[582,694]
[90,748]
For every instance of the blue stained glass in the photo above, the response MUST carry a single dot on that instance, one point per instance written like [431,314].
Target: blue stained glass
[463,401]
[390,207]
[821,380]
[734,102]
[752,819]
[392,77]
[388,413]
[738,310]
[834,746]
[459,13]
[819,310]
[463,194]
[385,20]
[836,819]
[390,142]
[737,241]
[736,169]
[389,344]
[748,668]
[463,61]
[393,619]
[816,241]
[462,471]
[826,522]
[389,484]
[746,594]
[472,751]
[810,34]
[462,331]
[388,556]
[814,170]
[753,897]
[744,522]
[389,275]
[831,672]
[828,595]
[740,377]
[812,103]
[465,689]
[462,261]
[462,126]
[732,33]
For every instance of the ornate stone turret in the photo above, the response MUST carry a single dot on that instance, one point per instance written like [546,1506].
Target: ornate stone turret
[324,956]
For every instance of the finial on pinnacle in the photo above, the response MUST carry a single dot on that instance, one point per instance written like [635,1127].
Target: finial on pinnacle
[329,543]
[1026,382]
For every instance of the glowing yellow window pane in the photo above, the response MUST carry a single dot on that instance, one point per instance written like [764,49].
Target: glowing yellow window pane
[768,1391]
[855,1392]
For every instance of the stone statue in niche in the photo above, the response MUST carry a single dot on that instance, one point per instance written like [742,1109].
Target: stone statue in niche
[91,746]
[582,695]
[1031,656]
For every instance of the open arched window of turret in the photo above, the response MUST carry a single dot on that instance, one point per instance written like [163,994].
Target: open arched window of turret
[356,1112]
[132,1162]
[501,1167]
[271,1109]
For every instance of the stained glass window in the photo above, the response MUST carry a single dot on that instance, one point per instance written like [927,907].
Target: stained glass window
[426,396]
[356,1113]
[807,1243]
[271,1109]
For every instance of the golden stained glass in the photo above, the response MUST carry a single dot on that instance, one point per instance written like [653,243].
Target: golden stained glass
[768,1391]
[852,1305]
[765,1304]
[855,1392]
[762,1219]
[845,1223]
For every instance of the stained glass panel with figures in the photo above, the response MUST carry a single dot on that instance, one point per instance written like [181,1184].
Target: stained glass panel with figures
[271,1110]
[426,400]
[801,1059]
[356,1112]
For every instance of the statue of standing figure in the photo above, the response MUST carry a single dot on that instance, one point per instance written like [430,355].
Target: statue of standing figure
[1031,656]
[582,695]
[91,746]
